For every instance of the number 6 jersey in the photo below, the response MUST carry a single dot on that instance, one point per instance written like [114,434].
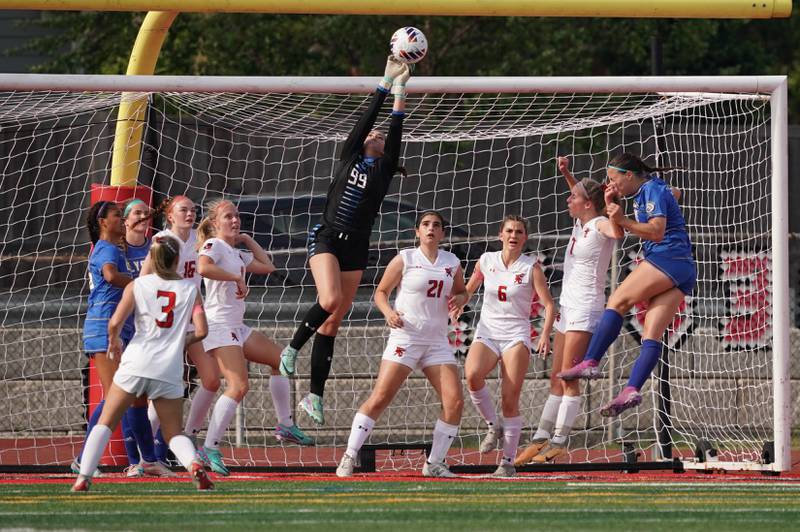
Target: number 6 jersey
[422,297]
[507,295]
[163,310]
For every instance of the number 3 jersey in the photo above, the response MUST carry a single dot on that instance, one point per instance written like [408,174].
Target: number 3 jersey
[507,296]
[163,310]
[422,297]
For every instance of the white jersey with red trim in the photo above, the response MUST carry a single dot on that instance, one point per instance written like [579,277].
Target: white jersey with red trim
[162,312]
[585,266]
[507,294]
[222,306]
[187,262]
[422,297]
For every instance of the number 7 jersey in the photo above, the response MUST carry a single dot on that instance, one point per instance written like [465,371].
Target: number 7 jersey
[422,297]
[163,310]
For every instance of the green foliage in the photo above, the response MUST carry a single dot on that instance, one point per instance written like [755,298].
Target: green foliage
[255,44]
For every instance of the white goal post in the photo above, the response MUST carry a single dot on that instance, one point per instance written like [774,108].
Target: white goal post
[475,148]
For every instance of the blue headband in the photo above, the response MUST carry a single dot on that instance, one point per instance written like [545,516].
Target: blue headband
[129,206]
[618,168]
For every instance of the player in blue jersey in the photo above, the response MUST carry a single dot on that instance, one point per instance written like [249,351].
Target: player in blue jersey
[667,274]
[338,247]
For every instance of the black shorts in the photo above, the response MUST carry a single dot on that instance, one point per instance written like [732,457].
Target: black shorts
[351,250]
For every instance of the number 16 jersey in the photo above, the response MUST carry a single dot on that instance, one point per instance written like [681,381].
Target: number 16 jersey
[422,297]
[163,310]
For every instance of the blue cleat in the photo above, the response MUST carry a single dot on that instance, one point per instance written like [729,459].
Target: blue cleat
[292,434]
[213,458]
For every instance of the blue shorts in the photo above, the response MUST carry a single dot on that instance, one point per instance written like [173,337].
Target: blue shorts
[683,271]
[95,336]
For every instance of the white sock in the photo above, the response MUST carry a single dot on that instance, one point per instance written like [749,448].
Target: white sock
[198,410]
[570,406]
[183,449]
[359,432]
[443,436]
[280,388]
[220,419]
[93,449]
[548,420]
[512,428]
[482,400]
[155,423]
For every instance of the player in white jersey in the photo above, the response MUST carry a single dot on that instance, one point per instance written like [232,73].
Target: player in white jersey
[582,301]
[503,335]
[431,283]
[152,363]
[229,340]
[180,215]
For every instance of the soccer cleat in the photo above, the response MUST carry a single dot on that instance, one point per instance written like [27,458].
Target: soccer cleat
[200,476]
[157,469]
[493,440]
[213,458]
[312,405]
[550,453]
[75,467]
[627,398]
[587,369]
[82,483]
[505,470]
[292,434]
[439,470]
[346,466]
[288,357]
[133,471]
[530,451]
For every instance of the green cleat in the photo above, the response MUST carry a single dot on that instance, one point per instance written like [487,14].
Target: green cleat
[292,434]
[213,458]
[312,405]
[288,357]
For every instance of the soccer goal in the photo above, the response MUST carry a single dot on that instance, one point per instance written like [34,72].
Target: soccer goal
[475,149]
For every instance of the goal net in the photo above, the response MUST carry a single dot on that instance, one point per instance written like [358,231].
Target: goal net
[475,150]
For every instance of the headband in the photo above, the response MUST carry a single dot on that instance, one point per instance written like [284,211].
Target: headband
[582,189]
[618,168]
[166,242]
[102,210]
[129,206]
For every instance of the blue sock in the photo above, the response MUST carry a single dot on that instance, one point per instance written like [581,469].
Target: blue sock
[131,449]
[607,331]
[161,447]
[644,365]
[142,432]
[92,422]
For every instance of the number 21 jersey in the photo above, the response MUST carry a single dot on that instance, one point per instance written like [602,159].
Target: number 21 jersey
[422,297]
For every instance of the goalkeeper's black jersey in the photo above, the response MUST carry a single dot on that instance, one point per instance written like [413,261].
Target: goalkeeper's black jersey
[358,188]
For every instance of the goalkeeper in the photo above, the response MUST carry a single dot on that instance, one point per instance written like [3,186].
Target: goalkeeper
[338,247]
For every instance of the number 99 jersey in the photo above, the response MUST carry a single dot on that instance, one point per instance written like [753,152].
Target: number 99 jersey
[163,310]
[507,296]
[422,297]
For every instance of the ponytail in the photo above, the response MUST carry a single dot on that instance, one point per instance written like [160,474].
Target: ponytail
[628,162]
[205,229]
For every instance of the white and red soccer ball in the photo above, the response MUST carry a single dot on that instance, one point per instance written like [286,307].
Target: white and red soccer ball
[408,45]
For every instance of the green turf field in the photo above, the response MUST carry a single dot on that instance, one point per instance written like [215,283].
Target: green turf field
[461,506]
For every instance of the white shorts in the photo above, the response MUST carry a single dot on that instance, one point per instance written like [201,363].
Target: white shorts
[499,347]
[574,319]
[152,388]
[222,336]
[418,356]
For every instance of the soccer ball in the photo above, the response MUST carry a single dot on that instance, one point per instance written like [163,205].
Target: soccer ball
[408,45]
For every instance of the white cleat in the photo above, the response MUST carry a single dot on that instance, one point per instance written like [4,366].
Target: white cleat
[157,469]
[346,466]
[439,470]
[505,470]
[133,471]
[493,439]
